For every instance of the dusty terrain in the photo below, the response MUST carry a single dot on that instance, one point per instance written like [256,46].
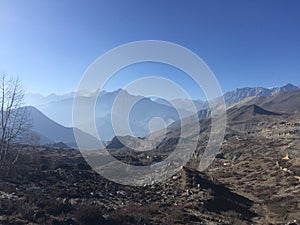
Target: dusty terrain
[255,179]
[56,186]
[250,182]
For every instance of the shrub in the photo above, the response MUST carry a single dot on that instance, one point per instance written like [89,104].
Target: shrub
[89,215]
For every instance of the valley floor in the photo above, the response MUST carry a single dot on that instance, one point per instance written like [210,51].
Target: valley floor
[56,186]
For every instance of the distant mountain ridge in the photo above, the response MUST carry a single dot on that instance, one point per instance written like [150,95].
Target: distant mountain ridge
[242,93]
[245,117]
[252,108]
[59,107]
[143,110]
[284,102]
[49,132]
[35,99]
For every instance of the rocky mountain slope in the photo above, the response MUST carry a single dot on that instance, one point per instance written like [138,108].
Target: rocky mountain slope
[47,131]
[259,158]
[282,102]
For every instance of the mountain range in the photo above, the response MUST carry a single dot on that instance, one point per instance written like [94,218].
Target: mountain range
[52,114]
[246,116]
[60,110]
[242,93]
[47,104]
[47,132]
[235,96]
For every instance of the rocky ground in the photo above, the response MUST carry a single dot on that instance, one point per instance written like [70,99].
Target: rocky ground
[266,177]
[255,179]
[56,186]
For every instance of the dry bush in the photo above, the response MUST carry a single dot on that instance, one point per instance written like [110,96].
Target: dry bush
[89,215]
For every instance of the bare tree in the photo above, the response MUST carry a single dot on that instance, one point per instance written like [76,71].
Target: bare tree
[14,117]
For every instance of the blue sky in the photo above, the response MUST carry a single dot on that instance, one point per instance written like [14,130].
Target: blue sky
[50,43]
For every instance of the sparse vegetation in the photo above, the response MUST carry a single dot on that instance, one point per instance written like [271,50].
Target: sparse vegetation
[251,182]
[14,119]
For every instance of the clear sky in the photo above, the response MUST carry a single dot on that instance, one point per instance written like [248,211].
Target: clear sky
[50,43]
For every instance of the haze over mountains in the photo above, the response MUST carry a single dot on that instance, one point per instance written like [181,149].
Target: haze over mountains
[52,114]
[50,132]
[48,104]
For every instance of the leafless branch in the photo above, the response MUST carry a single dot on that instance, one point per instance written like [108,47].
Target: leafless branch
[14,118]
